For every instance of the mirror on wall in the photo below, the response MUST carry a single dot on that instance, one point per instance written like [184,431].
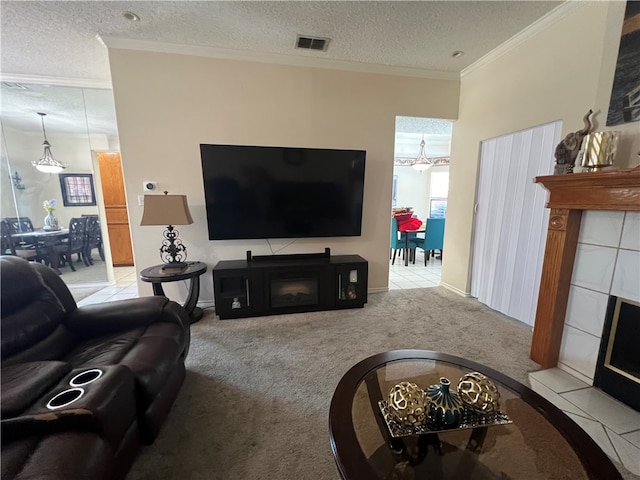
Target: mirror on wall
[78,123]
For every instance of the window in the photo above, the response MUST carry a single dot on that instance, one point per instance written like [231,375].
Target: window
[439,193]
[77,189]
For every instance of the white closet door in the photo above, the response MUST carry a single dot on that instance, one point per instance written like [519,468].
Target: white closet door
[511,220]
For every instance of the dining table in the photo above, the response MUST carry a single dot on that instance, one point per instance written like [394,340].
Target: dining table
[45,239]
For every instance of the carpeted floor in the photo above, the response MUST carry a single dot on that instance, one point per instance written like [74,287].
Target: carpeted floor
[255,403]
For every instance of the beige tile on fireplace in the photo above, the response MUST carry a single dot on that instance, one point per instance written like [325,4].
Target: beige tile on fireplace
[596,431]
[628,453]
[626,281]
[601,228]
[633,437]
[593,267]
[586,310]
[558,380]
[562,403]
[631,231]
[579,350]
[612,413]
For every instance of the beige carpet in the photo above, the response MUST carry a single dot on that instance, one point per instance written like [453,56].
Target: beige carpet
[255,403]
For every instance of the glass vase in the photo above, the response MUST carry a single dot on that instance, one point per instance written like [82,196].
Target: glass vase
[50,222]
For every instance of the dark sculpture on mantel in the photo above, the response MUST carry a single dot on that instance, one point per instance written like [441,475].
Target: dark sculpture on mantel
[567,150]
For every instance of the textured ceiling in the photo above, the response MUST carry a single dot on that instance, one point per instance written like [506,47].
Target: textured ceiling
[58,39]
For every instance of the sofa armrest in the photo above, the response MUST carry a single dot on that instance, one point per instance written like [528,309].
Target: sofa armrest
[105,405]
[111,317]
[41,424]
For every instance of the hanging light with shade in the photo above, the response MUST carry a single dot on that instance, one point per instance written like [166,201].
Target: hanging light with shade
[422,163]
[47,164]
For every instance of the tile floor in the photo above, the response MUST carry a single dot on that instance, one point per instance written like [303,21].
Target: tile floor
[125,287]
[414,275]
[613,425]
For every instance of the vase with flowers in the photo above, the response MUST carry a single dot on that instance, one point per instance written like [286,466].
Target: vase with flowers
[50,221]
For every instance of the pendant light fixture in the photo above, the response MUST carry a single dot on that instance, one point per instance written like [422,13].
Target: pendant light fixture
[47,164]
[422,163]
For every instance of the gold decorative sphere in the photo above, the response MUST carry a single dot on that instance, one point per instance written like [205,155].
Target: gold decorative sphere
[409,404]
[479,393]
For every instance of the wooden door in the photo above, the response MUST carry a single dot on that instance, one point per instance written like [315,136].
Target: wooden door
[115,205]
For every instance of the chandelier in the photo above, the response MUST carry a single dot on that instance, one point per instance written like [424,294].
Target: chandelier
[47,164]
[422,163]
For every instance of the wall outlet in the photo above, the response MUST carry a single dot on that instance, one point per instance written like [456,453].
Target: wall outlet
[149,186]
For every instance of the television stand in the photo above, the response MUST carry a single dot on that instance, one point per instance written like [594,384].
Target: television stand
[278,284]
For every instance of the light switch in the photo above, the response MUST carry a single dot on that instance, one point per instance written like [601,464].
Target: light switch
[141,200]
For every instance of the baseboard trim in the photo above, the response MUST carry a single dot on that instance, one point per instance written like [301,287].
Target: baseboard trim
[462,293]
[378,290]
[206,303]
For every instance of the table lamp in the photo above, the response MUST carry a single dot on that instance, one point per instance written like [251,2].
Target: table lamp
[168,210]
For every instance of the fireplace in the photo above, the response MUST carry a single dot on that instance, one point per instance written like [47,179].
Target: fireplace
[288,290]
[569,196]
[618,366]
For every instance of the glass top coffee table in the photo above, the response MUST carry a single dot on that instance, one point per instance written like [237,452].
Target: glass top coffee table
[540,443]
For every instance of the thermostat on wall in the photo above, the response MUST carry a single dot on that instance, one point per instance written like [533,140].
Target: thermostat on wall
[149,186]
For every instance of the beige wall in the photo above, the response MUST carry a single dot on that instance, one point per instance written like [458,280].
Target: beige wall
[168,104]
[558,74]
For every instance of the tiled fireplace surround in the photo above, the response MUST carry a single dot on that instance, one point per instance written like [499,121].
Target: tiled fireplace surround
[592,251]
[607,262]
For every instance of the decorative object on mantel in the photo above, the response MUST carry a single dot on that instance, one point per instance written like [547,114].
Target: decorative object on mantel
[599,150]
[47,164]
[168,210]
[567,150]
[50,221]
[412,411]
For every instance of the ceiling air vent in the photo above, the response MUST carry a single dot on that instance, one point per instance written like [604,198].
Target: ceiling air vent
[312,43]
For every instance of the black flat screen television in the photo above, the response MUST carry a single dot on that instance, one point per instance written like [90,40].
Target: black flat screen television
[255,192]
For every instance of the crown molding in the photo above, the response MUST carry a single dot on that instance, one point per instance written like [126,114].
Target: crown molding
[56,81]
[277,58]
[536,27]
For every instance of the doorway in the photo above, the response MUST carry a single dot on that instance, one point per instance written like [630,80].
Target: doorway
[115,206]
[421,181]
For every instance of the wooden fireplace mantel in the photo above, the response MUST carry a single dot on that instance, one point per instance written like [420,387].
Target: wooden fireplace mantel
[569,196]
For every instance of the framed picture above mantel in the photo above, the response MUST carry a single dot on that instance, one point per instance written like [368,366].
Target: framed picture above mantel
[77,189]
[624,106]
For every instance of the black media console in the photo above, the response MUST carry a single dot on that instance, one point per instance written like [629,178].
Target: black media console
[275,284]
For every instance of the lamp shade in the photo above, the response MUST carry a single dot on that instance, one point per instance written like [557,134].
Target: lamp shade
[166,210]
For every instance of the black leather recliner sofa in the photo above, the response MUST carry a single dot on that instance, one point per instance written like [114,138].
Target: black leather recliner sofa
[81,388]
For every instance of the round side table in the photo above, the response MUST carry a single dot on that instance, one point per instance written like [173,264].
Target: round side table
[157,276]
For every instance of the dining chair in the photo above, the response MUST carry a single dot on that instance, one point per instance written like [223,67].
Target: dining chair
[8,245]
[433,238]
[74,243]
[93,238]
[19,224]
[398,241]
